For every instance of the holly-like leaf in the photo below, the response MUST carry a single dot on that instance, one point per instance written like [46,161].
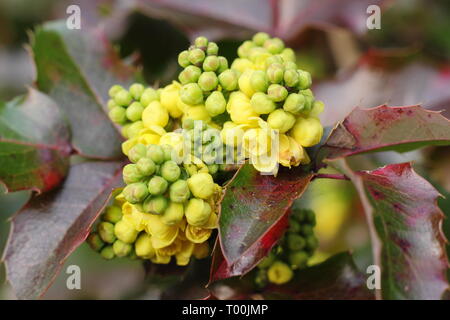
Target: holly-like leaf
[50,227]
[76,68]
[254,215]
[34,143]
[406,230]
[386,128]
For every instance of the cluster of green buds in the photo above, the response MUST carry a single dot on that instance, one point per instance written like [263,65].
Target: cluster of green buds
[206,79]
[292,252]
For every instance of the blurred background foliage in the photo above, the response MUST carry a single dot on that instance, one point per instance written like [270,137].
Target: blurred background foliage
[412,32]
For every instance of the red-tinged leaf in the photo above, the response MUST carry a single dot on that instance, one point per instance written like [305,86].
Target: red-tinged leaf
[371,84]
[76,68]
[51,226]
[34,143]
[406,230]
[253,216]
[386,128]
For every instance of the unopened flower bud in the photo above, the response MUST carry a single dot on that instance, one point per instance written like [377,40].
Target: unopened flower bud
[259,81]
[279,273]
[291,78]
[149,95]
[197,212]
[307,131]
[213,168]
[317,108]
[107,253]
[135,192]
[275,72]
[112,104]
[274,45]
[289,65]
[146,166]
[244,49]
[191,94]
[118,115]
[228,80]
[134,111]
[125,231]
[262,104]
[295,242]
[281,120]
[259,38]
[136,90]
[173,214]
[131,174]
[196,56]
[212,49]
[115,89]
[123,98]
[201,42]
[245,84]
[170,171]
[223,64]
[155,115]
[155,205]
[277,92]
[274,59]
[121,249]
[288,55]
[311,242]
[215,104]
[112,214]
[267,261]
[95,242]
[190,74]
[106,232]
[304,81]
[134,129]
[157,185]
[183,59]
[208,81]
[179,191]
[211,63]
[168,152]
[201,185]
[307,230]
[295,103]
[156,153]
[137,152]
[240,65]
[298,259]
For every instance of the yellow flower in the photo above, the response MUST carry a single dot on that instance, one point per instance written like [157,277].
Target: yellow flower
[197,212]
[160,258]
[184,255]
[170,250]
[279,273]
[281,120]
[162,234]
[143,246]
[245,84]
[169,99]
[150,135]
[290,152]
[201,185]
[232,133]
[242,64]
[257,141]
[307,131]
[197,234]
[201,250]
[176,141]
[240,109]
[125,231]
[155,114]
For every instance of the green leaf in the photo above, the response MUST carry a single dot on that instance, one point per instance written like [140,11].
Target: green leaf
[386,128]
[76,68]
[405,223]
[50,227]
[34,143]
[253,216]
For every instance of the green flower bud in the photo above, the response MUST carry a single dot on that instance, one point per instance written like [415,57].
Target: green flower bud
[112,104]
[146,166]
[267,261]
[201,42]
[125,231]
[131,174]
[107,253]
[275,73]
[289,65]
[277,92]
[304,81]
[191,94]
[168,152]
[281,120]
[208,81]
[274,59]
[149,95]
[136,90]
[114,89]
[307,230]
[311,243]
[291,78]
[134,129]
[215,104]
[261,279]
[300,215]
[118,115]
[295,242]
[179,191]
[188,124]
[135,192]
[223,64]
[279,273]
[190,74]
[294,226]
[295,103]
[288,55]
[156,153]
[274,45]
[106,232]
[170,171]
[121,249]
[262,104]
[134,111]
[201,185]
[173,214]
[137,152]
[123,98]
[259,81]
[183,59]
[213,168]
[196,56]
[211,63]
[95,242]
[112,214]
[213,49]
[197,212]
[244,49]
[229,80]
[310,217]
[124,130]
[155,205]
[157,185]
[259,38]
[298,259]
